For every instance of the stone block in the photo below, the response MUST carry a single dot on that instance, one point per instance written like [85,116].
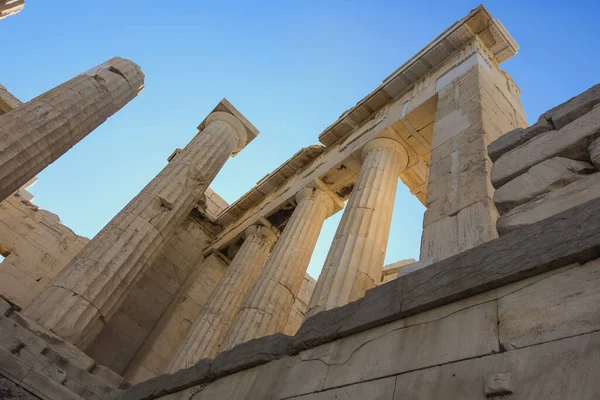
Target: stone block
[8,390]
[558,370]
[384,351]
[551,204]
[517,137]
[381,389]
[4,306]
[498,385]
[562,305]
[12,366]
[571,141]
[47,388]
[574,108]
[544,177]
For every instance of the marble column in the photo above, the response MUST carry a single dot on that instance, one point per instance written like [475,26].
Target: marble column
[37,133]
[355,259]
[204,337]
[88,291]
[10,7]
[270,301]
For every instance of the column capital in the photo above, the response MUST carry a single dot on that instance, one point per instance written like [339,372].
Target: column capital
[387,144]
[235,124]
[245,131]
[260,230]
[320,192]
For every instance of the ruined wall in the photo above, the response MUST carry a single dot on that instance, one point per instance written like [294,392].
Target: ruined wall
[476,104]
[550,166]
[35,246]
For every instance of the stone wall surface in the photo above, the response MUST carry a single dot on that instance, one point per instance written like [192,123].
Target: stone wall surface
[132,323]
[516,315]
[550,166]
[35,246]
[473,109]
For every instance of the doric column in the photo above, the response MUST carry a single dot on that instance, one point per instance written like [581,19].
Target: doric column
[35,134]
[88,291]
[270,301]
[355,259]
[207,331]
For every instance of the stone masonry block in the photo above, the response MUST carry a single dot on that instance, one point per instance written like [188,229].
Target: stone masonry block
[542,178]
[571,141]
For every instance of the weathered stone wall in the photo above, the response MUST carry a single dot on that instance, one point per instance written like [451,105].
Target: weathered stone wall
[517,315]
[550,166]
[477,103]
[159,347]
[132,323]
[35,246]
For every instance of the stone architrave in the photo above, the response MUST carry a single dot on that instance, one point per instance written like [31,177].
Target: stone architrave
[268,305]
[37,133]
[204,337]
[88,291]
[356,256]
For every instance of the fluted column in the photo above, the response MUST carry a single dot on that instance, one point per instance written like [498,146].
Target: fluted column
[355,259]
[87,292]
[10,7]
[268,305]
[204,337]
[35,134]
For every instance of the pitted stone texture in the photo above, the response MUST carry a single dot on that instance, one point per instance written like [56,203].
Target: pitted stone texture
[39,246]
[571,141]
[562,305]
[517,137]
[551,203]
[93,285]
[10,7]
[574,108]
[38,132]
[204,337]
[268,305]
[357,253]
[542,178]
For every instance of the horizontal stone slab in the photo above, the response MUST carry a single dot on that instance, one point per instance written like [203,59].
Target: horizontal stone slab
[526,252]
[571,141]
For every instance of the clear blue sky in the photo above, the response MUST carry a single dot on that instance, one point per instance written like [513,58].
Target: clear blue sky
[291,67]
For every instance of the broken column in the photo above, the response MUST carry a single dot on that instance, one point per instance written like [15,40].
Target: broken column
[93,285]
[37,133]
[204,337]
[357,253]
[270,301]
[10,7]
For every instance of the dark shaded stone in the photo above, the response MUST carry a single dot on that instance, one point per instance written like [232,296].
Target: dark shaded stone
[170,383]
[565,238]
[10,391]
[252,353]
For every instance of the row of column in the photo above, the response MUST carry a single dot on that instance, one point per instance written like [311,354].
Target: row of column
[352,267]
[256,295]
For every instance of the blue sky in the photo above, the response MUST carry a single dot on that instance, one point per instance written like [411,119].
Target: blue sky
[291,67]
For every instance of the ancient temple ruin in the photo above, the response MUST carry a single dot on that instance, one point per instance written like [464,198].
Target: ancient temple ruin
[183,296]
